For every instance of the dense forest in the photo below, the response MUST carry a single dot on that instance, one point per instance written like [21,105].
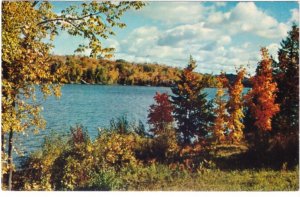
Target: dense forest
[102,71]
[88,70]
[234,142]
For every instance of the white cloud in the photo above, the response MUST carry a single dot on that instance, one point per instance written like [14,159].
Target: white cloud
[273,50]
[279,31]
[175,12]
[246,17]
[112,43]
[140,38]
[187,34]
[224,40]
[217,40]
[216,18]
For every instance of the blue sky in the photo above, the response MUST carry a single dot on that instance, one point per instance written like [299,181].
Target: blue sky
[219,35]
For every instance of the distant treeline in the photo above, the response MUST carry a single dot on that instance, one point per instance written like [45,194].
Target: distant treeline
[86,70]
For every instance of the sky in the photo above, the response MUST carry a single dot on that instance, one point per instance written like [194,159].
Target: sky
[219,35]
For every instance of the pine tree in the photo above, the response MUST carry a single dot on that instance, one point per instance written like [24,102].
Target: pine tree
[235,107]
[160,114]
[191,109]
[286,74]
[285,135]
[220,122]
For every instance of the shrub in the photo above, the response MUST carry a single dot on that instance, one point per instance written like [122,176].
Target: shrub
[79,134]
[105,180]
[120,125]
[73,168]
[165,145]
[37,168]
[71,172]
[114,149]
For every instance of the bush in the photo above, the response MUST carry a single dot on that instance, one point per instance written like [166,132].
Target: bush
[162,148]
[105,180]
[114,149]
[120,125]
[79,134]
[37,168]
[73,168]
[165,145]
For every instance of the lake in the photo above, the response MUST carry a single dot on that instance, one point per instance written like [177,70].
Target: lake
[94,106]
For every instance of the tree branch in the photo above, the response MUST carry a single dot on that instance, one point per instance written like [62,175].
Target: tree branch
[68,18]
[35,3]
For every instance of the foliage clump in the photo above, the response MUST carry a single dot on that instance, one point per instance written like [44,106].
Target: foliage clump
[160,114]
[235,107]
[220,111]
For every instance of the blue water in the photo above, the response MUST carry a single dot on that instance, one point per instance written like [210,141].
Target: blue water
[94,106]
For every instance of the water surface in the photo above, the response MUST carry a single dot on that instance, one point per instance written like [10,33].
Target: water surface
[94,106]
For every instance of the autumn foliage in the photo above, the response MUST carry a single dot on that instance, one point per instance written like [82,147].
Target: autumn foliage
[235,107]
[261,98]
[220,123]
[125,152]
[26,60]
[160,114]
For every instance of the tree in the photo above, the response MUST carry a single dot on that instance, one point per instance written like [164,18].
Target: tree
[286,74]
[191,109]
[220,122]
[160,119]
[235,107]
[285,124]
[261,98]
[160,114]
[261,106]
[26,59]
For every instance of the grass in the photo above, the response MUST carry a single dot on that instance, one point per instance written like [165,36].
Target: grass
[217,180]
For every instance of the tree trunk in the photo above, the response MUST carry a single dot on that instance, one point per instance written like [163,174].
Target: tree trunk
[2,151]
[10,157]
[2,143]
[10,160]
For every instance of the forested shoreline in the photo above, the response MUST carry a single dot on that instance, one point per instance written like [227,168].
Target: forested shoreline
[88,70]
[235,141]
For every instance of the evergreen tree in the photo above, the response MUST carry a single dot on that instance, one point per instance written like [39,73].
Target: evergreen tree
[191,109]
[285,135]
[286,74]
